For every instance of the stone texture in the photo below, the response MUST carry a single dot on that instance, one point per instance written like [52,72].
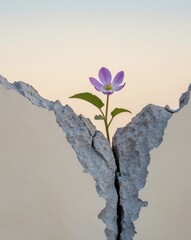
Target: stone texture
[121,173]
[44,193]
[132,145]
[168,186]
[91,147]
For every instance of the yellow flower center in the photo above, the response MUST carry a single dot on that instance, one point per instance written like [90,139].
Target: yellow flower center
[108,87]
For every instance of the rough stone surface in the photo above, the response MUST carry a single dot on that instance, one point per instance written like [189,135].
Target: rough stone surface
[184,99]
[91,147]
[132,145]
[121,173]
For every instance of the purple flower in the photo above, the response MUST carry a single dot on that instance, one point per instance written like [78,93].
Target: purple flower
[105,83]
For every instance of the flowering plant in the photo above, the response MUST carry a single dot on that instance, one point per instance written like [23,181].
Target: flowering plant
[107,86]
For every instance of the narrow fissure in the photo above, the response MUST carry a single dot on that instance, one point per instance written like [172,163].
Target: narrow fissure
[119,208]
[117,186]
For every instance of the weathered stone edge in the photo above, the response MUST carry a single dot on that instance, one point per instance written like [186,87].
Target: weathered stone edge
[131,146]
[92,149]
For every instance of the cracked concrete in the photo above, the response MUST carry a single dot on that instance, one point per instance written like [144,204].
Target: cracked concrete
[119,172]
[92,149]
[131,146]
[167,189]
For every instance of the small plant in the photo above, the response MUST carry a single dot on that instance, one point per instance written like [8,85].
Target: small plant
[107,86]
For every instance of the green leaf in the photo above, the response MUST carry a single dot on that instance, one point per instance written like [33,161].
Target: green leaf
[90,98]
[117,111]
[99,117]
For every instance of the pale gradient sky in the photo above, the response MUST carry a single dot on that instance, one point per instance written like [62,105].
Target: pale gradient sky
[56,45]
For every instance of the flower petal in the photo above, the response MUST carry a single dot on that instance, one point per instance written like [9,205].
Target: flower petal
[105,75]
[98,86]
[118,79]
[117,88]
[108,92]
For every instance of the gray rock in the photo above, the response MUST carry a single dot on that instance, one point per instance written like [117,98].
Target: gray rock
[183,101]
[92,149]
[131,146]
[120,172]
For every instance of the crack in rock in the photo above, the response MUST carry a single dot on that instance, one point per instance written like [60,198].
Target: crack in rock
[119,172]
[92,149]
[132,145]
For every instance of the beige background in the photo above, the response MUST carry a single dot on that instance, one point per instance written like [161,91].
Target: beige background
[44,193]
[168,187]
[55,46]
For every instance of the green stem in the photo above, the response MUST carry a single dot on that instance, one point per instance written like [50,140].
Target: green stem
[106,115]
[101,112]
[110,122]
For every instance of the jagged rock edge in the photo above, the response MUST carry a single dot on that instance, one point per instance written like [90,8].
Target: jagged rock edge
[89,138]
[110,233]
[129,204]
